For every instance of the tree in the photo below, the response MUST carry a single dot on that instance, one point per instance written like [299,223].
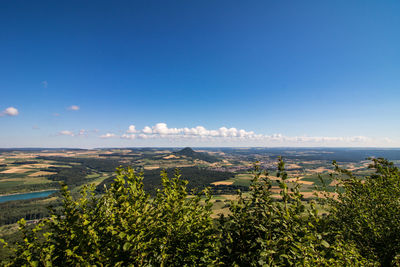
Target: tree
[367,211]
[262,231]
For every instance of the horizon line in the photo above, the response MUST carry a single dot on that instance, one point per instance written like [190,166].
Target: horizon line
[240,147]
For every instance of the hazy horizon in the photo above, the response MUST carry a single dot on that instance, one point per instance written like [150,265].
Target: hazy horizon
[205,147]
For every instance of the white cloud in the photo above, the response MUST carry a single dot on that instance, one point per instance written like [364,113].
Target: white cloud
[10,111]
[144,136]
[66,132]
[162,128]
[147,130]
[239,136]
[74,108]
[82,132]
[160,133]
[131,129]
[107,135]
[199,131]
[128,136]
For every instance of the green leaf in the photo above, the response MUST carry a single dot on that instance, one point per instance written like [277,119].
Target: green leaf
[325,244]
[126,246]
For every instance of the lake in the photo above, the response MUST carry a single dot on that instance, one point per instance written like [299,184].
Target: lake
[26,195]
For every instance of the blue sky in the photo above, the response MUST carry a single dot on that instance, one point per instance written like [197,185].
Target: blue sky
[286,73]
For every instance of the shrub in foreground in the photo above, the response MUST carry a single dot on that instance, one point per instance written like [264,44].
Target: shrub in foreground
[262,231]
[124,227]
[367,211]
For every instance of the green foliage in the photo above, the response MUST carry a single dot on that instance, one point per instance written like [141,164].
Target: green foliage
[262,231]
[123,227]
[29,209]
[197,178]
[367,211]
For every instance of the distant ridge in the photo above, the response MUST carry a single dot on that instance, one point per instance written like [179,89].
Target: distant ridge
[42,148]
[188,152]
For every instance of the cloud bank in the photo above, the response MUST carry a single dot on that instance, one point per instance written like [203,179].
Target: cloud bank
[223,135]
[162,135]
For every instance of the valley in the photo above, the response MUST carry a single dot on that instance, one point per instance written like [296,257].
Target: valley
[224,170]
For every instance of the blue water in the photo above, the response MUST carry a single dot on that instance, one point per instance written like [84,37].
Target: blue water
[26,195]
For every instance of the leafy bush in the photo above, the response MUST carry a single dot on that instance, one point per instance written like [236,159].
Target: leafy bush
[367,211]
[261,231]
[123,227]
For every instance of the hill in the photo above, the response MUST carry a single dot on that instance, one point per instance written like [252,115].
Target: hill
[188,152]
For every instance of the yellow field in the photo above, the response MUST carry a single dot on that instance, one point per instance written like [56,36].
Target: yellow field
[292,166]
[300,181]
[171,157]
[38,165]
[222,183]
[16,170]
[151,167]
